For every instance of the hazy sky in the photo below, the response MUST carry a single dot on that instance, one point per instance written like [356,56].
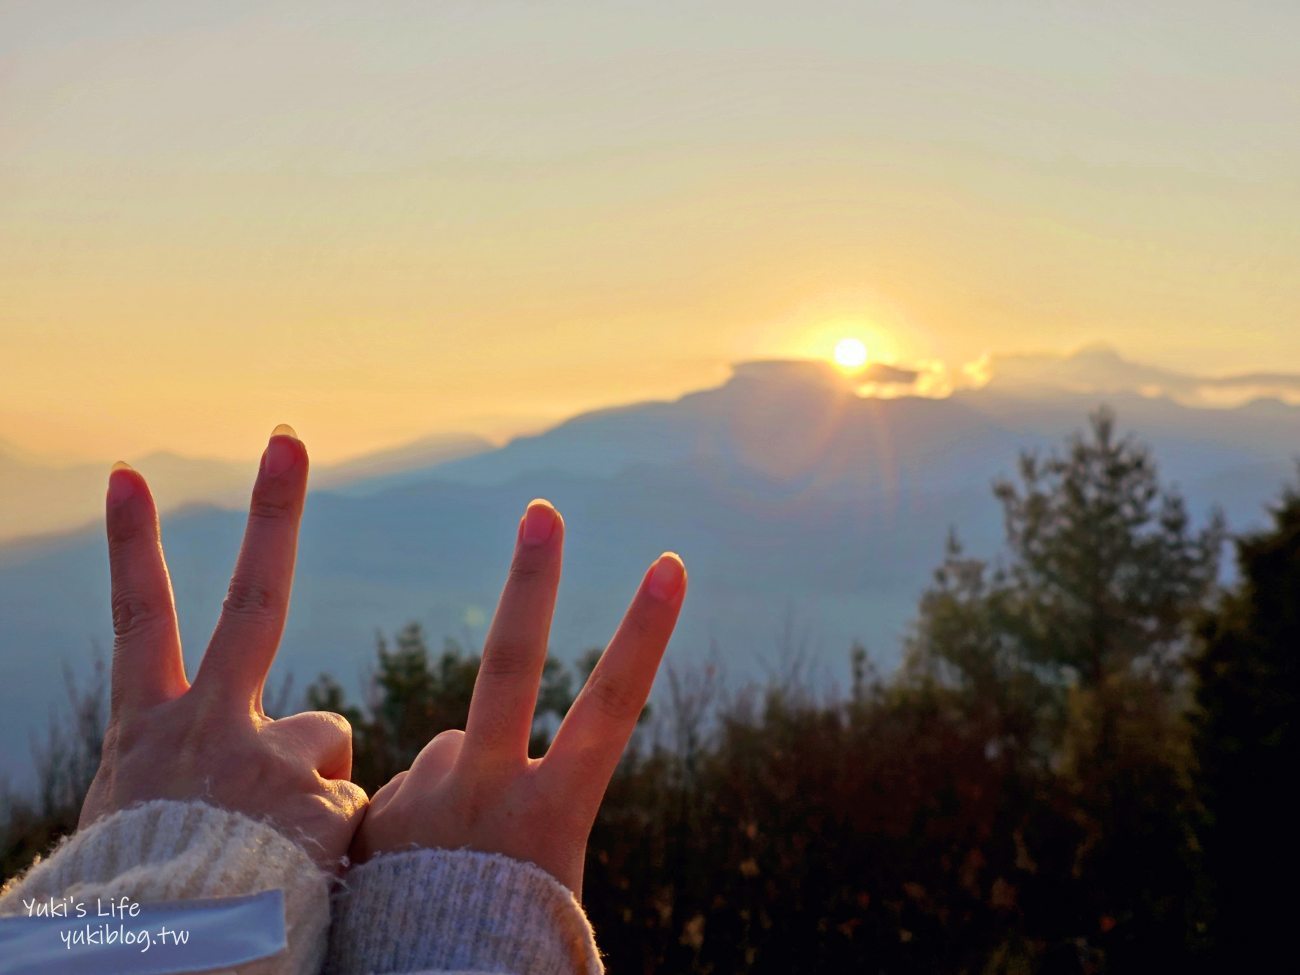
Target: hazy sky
[378,220]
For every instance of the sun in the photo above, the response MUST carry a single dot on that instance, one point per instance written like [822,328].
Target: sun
[850,353]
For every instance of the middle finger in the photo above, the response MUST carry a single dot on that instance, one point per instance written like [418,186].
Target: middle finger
[252,618]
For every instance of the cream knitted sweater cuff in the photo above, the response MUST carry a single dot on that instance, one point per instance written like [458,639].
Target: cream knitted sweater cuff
[447,911]
[167,850]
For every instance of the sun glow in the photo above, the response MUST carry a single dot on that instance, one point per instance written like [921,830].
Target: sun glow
[850,353]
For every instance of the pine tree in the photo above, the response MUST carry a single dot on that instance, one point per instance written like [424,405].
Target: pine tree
[1246,746]
[1070,657]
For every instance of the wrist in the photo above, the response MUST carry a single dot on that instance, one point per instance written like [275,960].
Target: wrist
[169,850]
[460,909]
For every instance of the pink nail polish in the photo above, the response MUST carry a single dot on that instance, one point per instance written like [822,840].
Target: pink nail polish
[120,485]
[539,522]
[666,576]
[280,455]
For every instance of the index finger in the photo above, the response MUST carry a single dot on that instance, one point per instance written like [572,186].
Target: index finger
[147,664]
[247,634]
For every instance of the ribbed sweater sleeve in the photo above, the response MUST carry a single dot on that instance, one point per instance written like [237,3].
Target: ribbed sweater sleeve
[170,851]
[436,912]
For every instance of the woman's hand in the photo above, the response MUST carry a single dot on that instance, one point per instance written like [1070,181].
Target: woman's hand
[478,788]
[168,739]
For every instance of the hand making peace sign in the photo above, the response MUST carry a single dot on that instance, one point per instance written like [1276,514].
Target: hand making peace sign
[211,740]
[477,788]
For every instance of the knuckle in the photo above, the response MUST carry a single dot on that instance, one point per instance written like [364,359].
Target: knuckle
[249,597]
[613,697]
[132,612]
[336,723]
[528,568]
[349,795]
[447,735]
[508,658]
[340,730]
[270,508]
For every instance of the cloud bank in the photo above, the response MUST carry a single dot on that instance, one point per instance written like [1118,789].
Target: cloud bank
[1093,369]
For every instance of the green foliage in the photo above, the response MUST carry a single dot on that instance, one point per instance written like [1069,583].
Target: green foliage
[410,696]
[1104,578]
[1068,660]
[1246,746]
[1106,572]
[1026,795]
[966,640]
[66,761]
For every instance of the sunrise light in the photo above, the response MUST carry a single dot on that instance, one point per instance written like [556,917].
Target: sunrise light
[850,353]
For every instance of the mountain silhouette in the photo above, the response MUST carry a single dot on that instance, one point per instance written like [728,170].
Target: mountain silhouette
[808,517]
[41,497]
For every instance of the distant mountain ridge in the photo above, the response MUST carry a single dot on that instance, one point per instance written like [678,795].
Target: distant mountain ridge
[1099,368]
[799,507]
[41,498]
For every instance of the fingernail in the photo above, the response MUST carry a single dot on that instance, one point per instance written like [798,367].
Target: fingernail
[666,576]
[120,487]
[280,454]
[539,522]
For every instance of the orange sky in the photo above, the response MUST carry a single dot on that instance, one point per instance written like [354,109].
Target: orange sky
[482,216]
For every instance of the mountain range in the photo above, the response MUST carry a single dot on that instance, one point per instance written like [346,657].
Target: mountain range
[809,516]
[42,497]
